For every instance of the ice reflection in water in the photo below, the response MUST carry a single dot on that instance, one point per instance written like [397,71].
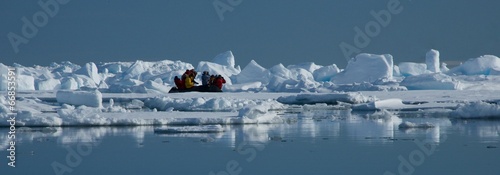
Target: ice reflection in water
[365,127]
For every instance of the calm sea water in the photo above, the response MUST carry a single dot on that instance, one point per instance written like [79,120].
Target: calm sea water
[318,142]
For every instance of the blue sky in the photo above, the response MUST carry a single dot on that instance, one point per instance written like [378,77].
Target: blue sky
[268,31]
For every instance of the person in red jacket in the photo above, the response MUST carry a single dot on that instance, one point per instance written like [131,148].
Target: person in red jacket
[219,81]
[179,83]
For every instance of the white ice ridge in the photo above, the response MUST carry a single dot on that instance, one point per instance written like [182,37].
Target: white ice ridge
[365,72]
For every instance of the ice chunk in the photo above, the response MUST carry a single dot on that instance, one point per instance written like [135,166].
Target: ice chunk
[84,81]
[190,129]
[50,84]
[432,61]
[280,71]
[396,72]
[155,87]
[394,103]
[295,80]
[64,67]
[90,70]
[82,116]
[103,85]
[479,66]
[444,67]
[384,116]
[411,69]
[253,72]
[366,68]
[477,110]
[325,73]
[255,86]
[114,68]
[135,71]
[69,84]
[435,81]
[87,98]
[28,118]
[25,83]
[225,59]
[264,112]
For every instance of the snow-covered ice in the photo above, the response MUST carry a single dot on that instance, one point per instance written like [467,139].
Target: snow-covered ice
[136,93]
[434,81]
[88,98]
[477,109]
[366,68]
[381,104]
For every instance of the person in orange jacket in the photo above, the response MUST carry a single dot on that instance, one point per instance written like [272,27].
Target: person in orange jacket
[219,81]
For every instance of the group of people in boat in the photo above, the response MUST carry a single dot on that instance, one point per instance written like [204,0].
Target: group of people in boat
[187,82]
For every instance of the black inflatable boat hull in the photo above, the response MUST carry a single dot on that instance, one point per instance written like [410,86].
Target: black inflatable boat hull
[196,89]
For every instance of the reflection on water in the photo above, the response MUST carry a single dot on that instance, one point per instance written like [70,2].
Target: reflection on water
[312,137]
[365,128]
[484,129]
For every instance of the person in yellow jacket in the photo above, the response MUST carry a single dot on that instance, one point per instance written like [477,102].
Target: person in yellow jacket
[189,81]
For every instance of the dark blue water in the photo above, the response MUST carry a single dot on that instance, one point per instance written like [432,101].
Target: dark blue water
[306,144]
